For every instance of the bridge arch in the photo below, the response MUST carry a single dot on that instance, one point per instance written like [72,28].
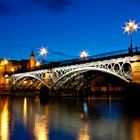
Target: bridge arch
[27,75]
[90,69]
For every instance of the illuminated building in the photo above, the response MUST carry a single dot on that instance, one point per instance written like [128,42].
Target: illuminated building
[7,67]
[32,60]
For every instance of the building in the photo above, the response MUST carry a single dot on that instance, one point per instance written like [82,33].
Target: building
[7,67]
[32,61]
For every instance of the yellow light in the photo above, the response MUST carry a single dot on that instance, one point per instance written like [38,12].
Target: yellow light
[5,61]
[84,54]
[6,75]
[131,23]
[130,26]
[135,26]
[84,132]
[43,51]
[25,82]
[40,128]
[4,123]
[37,63]
[126,29]
[135,129]
[25,111]
[12,69]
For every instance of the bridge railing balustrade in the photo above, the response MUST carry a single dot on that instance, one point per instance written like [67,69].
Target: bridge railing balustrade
[110,54]
[136,49]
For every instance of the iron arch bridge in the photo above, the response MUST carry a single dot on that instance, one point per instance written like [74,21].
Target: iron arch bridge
[56,77]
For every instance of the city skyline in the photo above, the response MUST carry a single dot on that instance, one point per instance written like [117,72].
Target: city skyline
[65,27]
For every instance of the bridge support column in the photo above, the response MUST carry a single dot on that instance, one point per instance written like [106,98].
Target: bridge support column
[136,69]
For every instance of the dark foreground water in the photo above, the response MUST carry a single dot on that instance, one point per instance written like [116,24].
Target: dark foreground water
[28,118]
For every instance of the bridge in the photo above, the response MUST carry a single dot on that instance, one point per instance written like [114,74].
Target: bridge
[120,64]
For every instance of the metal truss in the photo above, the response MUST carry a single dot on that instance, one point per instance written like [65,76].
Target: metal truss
[119,67]
[39,75]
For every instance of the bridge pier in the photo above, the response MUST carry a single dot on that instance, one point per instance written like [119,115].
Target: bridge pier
[135,69]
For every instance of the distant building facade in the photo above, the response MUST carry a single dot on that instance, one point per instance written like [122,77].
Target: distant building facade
[7,67]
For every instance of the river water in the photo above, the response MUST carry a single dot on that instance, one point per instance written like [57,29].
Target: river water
[29,118]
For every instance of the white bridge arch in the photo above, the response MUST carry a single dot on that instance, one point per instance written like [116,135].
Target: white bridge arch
[119,67]
[80,70]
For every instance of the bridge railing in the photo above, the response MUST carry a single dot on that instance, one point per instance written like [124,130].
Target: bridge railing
[104,55]
[136,49]
[110,54]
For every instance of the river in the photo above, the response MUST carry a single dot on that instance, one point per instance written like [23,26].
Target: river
[67,118]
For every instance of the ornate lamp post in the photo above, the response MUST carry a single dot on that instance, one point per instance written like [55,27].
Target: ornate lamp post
[43,51]
[129,28]
[84,54]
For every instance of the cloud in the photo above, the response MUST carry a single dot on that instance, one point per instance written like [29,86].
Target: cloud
[59,5]
[60,54]
[16,7]
[54,5]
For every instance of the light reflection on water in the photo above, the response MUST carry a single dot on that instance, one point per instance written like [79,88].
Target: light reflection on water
[84,132]
[4,122]
[28,118]
[25,112]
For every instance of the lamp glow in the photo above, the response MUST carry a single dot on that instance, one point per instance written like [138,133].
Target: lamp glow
[43,51]
[129,28]
[84,54]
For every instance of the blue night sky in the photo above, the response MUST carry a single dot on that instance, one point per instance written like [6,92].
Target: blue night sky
[65,27]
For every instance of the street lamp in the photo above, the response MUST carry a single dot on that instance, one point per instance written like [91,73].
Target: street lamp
[43,51]
[129,28]
[84,54]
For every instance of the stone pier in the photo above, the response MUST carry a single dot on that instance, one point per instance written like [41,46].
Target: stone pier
[136,69]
